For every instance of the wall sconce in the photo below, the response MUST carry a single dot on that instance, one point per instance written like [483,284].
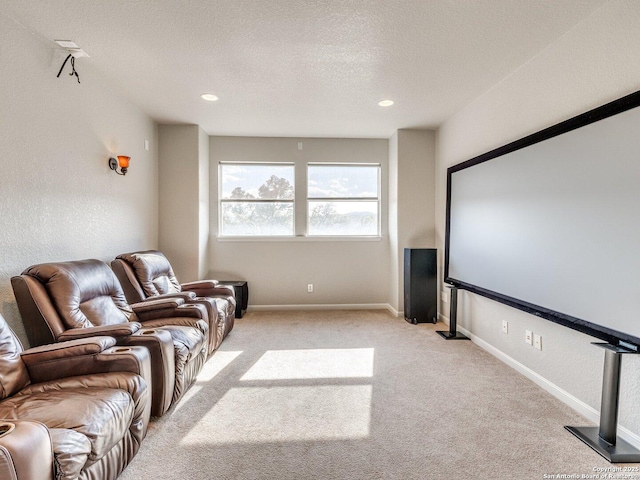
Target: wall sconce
[122,162]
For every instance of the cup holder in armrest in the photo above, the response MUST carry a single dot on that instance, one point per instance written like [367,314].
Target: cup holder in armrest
[148,332]
[122,349]
[6,428]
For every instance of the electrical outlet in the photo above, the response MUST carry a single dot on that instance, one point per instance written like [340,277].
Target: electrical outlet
[310,288]
[528,337]
[537,341]
[505,326]
[444,297]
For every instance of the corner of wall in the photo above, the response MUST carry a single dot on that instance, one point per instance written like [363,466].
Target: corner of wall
[179,197]
[411,200]
[203,203]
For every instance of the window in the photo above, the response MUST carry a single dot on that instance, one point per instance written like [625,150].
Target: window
[256,199]
[343,199]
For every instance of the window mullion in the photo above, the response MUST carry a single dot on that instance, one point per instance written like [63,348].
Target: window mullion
[300,206]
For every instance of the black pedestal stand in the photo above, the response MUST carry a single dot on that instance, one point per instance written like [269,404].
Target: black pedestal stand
[604,439]
[452,334]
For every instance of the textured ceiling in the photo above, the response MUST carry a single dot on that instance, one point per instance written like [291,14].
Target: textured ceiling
[302,68]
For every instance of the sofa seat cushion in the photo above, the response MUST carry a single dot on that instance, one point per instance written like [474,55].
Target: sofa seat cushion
[226,306]
[188,343]
[102,415]
[71,451]
[220,308]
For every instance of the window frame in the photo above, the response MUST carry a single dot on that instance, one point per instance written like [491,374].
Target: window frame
[222,201]
[377,199]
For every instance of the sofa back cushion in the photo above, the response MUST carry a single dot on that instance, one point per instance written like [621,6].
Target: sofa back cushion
[13,372]
[153,271]
[85,293]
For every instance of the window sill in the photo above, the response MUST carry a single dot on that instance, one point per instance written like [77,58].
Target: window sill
[300,238]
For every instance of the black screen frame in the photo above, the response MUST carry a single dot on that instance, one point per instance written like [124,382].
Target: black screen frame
[614,337]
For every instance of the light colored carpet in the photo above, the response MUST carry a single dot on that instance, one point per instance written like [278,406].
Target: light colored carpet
[359,395]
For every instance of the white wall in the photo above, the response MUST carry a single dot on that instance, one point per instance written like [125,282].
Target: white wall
[183,156]
[596,62]
[343,272]
[411,202]
[58,198]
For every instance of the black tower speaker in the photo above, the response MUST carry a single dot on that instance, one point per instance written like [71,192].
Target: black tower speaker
[420,285]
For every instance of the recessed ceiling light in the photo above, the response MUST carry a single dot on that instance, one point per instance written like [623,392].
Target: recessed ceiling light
[385,103]
[209,97]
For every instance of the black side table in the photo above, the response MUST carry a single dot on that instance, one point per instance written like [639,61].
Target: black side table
[241,290]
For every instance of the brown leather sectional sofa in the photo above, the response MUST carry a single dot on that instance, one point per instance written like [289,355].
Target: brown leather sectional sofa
[77,404]
[73,410]
[81,299]
[148,275]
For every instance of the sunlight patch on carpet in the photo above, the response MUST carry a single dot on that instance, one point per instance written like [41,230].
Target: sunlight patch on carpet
[186,397]
[216,364]
[285,414]
[213,367]
[313,363]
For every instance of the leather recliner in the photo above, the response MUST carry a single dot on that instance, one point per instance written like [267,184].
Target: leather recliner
[79,299]
[72,410]
[148,274]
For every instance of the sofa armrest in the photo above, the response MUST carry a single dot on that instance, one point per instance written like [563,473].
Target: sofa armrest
[117,330]
[72,348]
[26,451]
[150,309]
[194,311]
[186,296]
[179,321]
[154,304]
[85,357]
[208,288]
[160,346]
[132,359]
[199,284]
[169,308]
[133,367]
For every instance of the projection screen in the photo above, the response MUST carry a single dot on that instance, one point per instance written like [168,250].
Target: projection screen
[550,224]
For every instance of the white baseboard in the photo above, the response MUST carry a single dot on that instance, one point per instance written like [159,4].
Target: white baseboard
[338,306]
[565,397]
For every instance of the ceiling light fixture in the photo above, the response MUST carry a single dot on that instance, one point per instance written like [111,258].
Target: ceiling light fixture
[385,103]
[209,97]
